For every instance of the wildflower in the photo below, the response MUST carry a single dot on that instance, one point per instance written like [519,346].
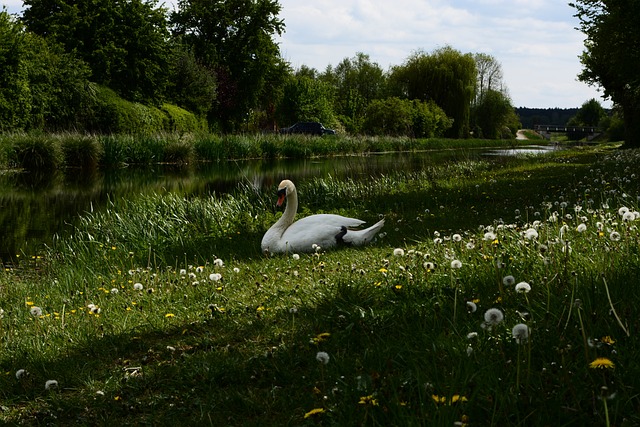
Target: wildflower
[520,332]
[489,236]
[93,309]
[114,290]
[169,315]
[20,373]
[470,245]
[51,384]
[35,311]
[581,228]
[215,277]
[456,238]
[623,210]
[295,257]
[508,280]
[531,234]
[614,236]
[471,306]
[183,271]
[607,340]
[493,316]
[218,262]
[138,286]
[629,216]
[236,270]
[368,400]
[602,363]
[456,264]
[429,266]
[322,357]
[314,412]
[523,287]
[398,252]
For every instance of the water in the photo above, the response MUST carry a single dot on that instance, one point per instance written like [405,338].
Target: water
[34,207]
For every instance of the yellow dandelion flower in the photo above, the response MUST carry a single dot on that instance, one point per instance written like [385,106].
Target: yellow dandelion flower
[438,399]
[29,303]
[457,398]
[368,400]
[383,270]
[608,340]
[261,308]
[314,412]
[169,315]
[602,363]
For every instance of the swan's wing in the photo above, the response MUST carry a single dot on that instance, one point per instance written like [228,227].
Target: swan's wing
[330,219]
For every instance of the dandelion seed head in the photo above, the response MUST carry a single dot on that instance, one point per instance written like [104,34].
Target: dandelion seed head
[520,333]
[215,277]
[322,357]
[20,373]
[581,228]
[614,236]
[138,286]
[531,234]
[295,257]
[493,316]
[523,287]
[51,385]
[456,237]
[398,252]
[35,311]
[508,280]
[489,236]
[456,264]
[218,262]
[471,307]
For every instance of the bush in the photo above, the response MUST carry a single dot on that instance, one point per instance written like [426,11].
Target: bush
[35,152]
[81,151]
[181,120]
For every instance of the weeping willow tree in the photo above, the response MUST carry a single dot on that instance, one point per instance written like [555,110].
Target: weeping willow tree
[446,77]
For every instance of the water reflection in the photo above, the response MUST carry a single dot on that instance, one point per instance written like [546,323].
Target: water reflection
[34,207]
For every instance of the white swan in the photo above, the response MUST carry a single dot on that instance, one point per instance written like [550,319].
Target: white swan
[324,230]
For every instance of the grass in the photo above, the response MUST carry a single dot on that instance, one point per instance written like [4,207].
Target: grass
[162,311]
[59,151]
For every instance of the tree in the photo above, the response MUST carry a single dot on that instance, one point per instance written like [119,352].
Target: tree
[493,114]
[357,81]
[306,99]
[590,114]
[234,38]
[447,77]
[15,93]
[489,75]
[612,54]
[124,42]
[402,117]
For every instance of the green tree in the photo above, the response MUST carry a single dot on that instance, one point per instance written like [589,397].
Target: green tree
[306,99]
[446,76]
[15,93]
[492,115]
[402,117]
[234,38]
[357,81]
[612,55]
[124,42]
[590,114]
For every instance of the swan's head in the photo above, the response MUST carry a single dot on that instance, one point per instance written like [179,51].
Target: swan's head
[285,188]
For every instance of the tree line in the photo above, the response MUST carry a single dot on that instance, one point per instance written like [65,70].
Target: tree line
[133,65]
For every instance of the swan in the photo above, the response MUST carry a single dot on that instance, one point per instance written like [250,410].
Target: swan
[304,235]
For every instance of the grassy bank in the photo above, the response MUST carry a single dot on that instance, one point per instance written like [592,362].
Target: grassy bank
[59,151]
[162,311]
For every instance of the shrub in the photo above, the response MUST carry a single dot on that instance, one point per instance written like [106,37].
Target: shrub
[81,151]
[35,152]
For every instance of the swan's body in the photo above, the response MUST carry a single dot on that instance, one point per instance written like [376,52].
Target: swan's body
[324,230]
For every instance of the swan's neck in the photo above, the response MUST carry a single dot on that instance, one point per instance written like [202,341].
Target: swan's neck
[289,212]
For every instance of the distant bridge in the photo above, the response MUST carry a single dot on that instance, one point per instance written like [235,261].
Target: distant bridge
[545,130]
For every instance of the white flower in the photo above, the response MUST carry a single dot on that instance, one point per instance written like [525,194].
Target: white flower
[456,264]
[429,265]
[138,286]
[470,245]
[322,357]
[471,306]
[20,373]
[218,262]
[398,252]
[614,236]
[520,332]
[623,210]
[531,234]
[493,316]
[199,269]
[215,277]
[183,271]
[114,290]
[236,270]
[523,287]
[456,237]
[35,311]
[582,228]
[489,236]
[629,216]
[295,257]
[51,384]
[508,280]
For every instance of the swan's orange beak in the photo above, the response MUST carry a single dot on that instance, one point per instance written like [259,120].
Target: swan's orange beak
[282,194]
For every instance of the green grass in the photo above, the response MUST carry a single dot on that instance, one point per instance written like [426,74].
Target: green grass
[393,317]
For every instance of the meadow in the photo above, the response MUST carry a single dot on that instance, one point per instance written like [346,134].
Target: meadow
[497,294]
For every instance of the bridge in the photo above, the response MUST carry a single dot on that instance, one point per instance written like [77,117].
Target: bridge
[589,131]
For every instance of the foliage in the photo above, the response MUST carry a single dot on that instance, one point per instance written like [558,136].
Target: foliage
[134,331]
[590,113]
[612,54]
[356,83]
[15,94]
[305,99]
[447,77]
[400,117]
[234,38]
[492,114]
[123,42]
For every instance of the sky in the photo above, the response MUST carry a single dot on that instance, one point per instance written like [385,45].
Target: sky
[535,41]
